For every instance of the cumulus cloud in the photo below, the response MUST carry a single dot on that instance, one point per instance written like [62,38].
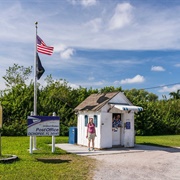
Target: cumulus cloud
[59,47]
[67,53]
[121,17]
[137,79]
[157,68]
[170,89]
[85,3]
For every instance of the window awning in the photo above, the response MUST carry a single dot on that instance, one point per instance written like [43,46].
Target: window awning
[128,108]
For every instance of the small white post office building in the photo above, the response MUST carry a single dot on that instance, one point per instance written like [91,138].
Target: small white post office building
[103,108]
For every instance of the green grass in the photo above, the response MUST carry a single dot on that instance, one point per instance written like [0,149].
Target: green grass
[166,140]
[42,164]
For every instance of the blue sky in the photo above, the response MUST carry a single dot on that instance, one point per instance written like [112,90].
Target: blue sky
[98,43]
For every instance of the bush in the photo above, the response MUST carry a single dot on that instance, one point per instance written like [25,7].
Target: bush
[64,130]
[15,128]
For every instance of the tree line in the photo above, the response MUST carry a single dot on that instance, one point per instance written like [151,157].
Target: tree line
[159,117]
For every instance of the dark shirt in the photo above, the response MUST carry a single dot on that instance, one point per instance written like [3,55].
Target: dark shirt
[116,123]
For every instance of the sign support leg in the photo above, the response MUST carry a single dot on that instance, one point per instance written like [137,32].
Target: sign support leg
[30,145]
[34,143]
[53,144]
[53,138]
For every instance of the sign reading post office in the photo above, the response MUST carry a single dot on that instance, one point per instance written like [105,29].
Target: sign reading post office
[43,126]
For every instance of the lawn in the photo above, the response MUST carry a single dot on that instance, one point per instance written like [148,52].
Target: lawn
[166,140]
[42,164]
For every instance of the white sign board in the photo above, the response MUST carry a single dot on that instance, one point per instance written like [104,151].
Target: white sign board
[43,126]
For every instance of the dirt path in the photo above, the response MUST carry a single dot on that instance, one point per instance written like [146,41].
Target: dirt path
[153,163]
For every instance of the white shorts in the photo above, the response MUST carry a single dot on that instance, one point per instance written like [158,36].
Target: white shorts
[91,136]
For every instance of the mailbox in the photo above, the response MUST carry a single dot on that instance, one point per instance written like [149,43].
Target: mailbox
[73,135]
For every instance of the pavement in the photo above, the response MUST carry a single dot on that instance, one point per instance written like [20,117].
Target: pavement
[142,162]
[83,151]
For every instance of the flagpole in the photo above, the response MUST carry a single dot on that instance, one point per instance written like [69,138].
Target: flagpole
[35,73]
[35,83]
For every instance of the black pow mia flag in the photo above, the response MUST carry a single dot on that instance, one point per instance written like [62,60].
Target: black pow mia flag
[40,69]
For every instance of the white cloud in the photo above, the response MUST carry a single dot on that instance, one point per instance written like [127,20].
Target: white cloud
[170,89]
[85,3]
[74,86]
[157,68]
[121,17]
[137,79]
[146,32]
[59,47]
[91,78]
[88,2]
[177,65]
[116,82]
[92,84]
[67,53]
[95,24]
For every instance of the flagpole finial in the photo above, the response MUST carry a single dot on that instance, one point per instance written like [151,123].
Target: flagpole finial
[36,23]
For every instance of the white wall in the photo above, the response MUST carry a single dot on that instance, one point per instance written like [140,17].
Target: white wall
[116,137]
[129,133]
[82,129]
[122,129]
[106,130]
[120,98]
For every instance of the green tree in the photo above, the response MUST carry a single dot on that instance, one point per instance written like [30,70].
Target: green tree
[17,75]
[110,89]
[158,116]
[175,95]
[138,95]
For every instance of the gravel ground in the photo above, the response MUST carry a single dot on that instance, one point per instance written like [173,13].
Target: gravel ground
[153,163]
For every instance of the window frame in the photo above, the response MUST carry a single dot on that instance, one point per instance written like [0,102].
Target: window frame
[96,120]
[85,120]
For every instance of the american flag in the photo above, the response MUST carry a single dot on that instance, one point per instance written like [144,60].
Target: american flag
[42,48]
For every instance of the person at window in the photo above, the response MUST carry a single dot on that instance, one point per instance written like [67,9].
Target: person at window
[119,122]
[116,121]
[91,133]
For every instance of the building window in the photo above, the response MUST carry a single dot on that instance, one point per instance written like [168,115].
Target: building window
[96,120]
[86,120]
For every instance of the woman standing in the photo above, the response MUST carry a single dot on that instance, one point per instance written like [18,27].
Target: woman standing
[91,133]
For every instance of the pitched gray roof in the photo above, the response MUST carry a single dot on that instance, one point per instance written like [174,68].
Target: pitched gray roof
[95,101]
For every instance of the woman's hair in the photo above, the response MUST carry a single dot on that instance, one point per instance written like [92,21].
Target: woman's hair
[90,119]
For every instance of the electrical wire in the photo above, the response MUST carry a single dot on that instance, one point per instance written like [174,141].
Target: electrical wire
[161,86]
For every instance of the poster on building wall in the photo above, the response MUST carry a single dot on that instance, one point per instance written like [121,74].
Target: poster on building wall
[43,126]
[128,125]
